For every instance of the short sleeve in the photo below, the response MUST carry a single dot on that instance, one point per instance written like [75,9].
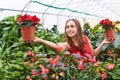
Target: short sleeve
[59,47]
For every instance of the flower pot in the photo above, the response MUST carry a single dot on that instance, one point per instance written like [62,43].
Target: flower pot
[28,33]
[110,34]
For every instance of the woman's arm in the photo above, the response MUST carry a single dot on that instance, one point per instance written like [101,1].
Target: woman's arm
[52,44]
[45,42]
[99,48]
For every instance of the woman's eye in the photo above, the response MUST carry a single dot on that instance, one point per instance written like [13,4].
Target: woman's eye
[72,26]
[67,26]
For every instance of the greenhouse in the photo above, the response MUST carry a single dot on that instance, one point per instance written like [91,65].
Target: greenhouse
[60,40]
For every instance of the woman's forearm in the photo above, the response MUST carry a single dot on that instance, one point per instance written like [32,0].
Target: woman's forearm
[47,43]
[98,49]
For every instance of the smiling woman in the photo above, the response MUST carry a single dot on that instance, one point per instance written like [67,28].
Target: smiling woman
[75,41]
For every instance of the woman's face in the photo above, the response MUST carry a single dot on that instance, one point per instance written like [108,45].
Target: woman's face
[71,29]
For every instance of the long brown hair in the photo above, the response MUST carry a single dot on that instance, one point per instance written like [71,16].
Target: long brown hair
[79,35]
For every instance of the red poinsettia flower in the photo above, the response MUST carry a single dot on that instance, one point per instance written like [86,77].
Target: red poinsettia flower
[28,20]
[109,52]
[35,73]
[106,24]
[35,20]
[111,66]
[44,70]
[33,59]
[104,75]
[29,53]
[80,65]
[28,78]
[89,58]
[54,61]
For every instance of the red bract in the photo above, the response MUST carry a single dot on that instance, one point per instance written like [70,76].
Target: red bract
[28,78]
[28,20]
[44,70]
[106,24]
[34,73]
[54,61]
[35,19]
[32,54]
[90,58]
[104,75]
[23,18]
[28,17]
[81,66]
[110,66]
[33,59]
[108,52]
[29,53]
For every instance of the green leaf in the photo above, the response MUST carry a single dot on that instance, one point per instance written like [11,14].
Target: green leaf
[95,28]
[16,67]
[1,64]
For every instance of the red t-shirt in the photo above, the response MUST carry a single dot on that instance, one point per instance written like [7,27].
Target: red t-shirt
[87,47]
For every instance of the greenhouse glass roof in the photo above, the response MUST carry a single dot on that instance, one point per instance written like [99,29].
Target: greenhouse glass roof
[58,11]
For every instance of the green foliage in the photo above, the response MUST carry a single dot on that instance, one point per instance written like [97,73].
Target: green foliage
[13,54]
[95,28]
[13,49]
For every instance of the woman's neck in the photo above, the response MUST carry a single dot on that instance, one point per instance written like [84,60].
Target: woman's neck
[75,41]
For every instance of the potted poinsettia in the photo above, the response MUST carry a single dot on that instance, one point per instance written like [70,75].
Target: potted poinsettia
[108,26]
[28,24]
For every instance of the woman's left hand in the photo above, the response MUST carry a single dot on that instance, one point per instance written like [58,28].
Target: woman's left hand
[105,41]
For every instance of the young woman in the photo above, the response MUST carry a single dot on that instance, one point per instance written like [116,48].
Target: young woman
[75,41]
